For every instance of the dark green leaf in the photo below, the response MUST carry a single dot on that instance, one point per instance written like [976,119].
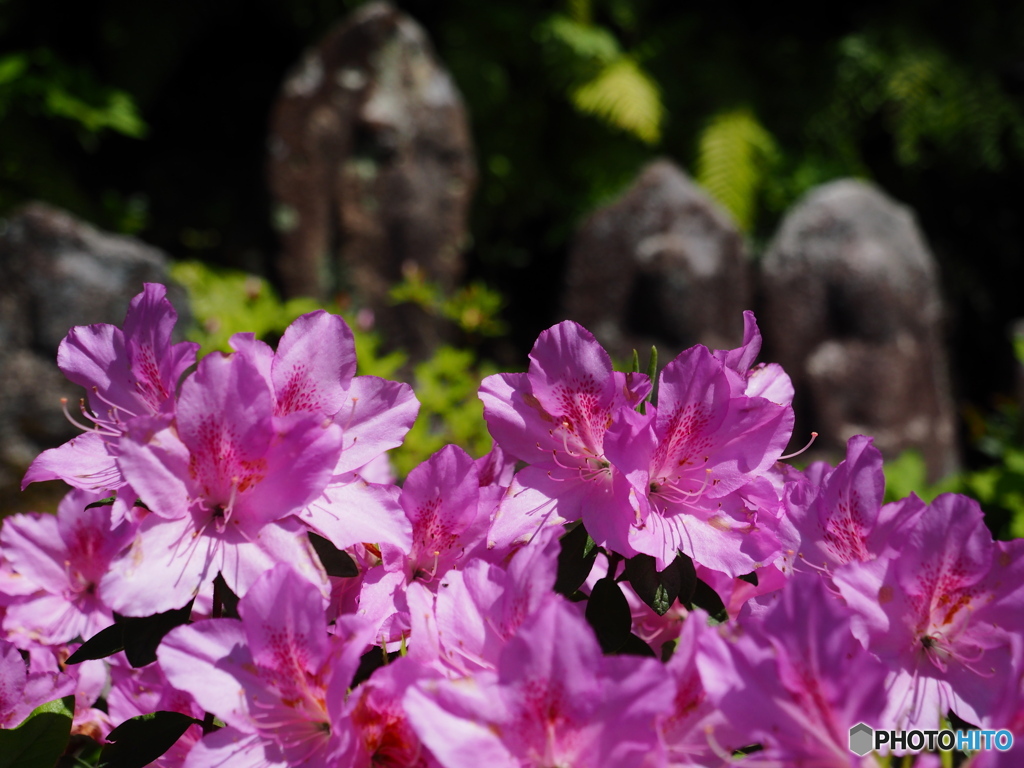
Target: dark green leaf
[652,373]
[143,635]
[102,502]
[660,589]
[335,561]
[104,643]
[40,740]
[705,597]
[635,366]
[608,613]
[575,560]
[227,599]
[141,740]
[750,578]
[634,646]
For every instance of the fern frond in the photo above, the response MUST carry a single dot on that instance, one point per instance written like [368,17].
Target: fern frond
[733,154]
[623,95]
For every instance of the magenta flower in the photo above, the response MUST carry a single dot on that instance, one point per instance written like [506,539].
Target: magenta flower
[224,481]
[836,516]
[556,417]
[942,612]
[555,700]
[797,682]
[22,690]
[698,470]
[463,627]
[126,374]
[275,677]
[64,558]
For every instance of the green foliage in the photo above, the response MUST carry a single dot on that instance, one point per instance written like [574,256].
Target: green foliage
[933,106]
[599,78]
[39,82]
[225,302]
[908,473]
[734,156]
[450,412]
[473,308]
[40,740]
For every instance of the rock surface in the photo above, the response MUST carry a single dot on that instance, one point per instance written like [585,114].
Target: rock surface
[662,265]
[371,168]
[56,272]
[853,311]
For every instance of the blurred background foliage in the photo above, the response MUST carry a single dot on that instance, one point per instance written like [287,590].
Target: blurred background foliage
[151,119]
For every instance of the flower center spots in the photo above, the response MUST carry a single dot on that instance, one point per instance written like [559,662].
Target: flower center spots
[299,394]
[845,533]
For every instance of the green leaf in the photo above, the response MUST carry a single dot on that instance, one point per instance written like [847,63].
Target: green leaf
[107,502]
[141,740]
[623,95]
[138,637]
[660,589]
[12,67]
[41,739]
[706,598]
[734,155]
[575,560]
[608,613]
[104,643]
[335,561]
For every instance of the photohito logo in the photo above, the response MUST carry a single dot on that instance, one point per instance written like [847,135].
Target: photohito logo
[863,739]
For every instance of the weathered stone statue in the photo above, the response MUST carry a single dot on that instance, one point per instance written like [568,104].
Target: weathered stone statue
[661,265]
[371,170]
[56,272]
[852,310]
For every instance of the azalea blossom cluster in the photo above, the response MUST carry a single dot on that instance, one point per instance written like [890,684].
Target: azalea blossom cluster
[545,605]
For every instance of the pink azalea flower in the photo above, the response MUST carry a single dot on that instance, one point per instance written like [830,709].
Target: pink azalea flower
[383,735]
[698,470]
[555,700]
[275,677]
[126,374]
[797,682]
[22,689]
[836,516]
[556,417]
[313,372]
[224,481]
[64,558]
[941,612]
[442,504]
[462,627]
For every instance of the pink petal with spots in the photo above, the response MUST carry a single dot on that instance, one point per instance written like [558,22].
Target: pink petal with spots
[441,498]
[284,621]
[315,361]
[156,364]
[224,419]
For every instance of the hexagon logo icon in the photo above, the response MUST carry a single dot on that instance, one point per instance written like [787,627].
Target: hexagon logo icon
[861,738]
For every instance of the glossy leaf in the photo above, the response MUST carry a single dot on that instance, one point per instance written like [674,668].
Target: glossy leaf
[41,739]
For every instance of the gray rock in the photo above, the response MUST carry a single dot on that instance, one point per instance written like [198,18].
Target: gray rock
[371,170]
[663,265]
[853,311]
[56,272]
